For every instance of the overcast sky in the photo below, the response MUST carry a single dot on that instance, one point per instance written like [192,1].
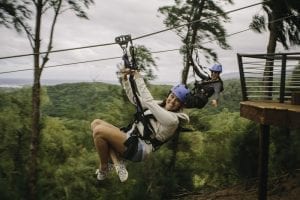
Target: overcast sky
[108,19]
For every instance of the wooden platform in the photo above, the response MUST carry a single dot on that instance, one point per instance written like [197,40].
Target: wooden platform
[266,114]
[270,113]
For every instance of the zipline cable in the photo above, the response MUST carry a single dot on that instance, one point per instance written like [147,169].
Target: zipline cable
[217,15]
[136,38]
[59,50]
[154,52]
[66,64]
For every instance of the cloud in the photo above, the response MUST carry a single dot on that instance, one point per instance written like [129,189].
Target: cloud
[108,19]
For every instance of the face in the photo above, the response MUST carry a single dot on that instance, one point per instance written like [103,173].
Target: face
[214,75]
[172,103]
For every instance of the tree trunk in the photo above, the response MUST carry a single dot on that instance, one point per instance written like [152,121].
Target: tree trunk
[35,135]
[189,52]
[271,48]
[169,170]
[268,72]
[174,147]
[18,158]
[191,42]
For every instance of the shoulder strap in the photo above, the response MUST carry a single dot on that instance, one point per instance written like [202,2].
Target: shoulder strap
[148,128]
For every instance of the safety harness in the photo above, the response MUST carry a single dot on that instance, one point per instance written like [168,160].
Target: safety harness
[140,116]
[203,89]
[201,72]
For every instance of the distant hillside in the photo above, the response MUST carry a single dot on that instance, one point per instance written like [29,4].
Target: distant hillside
[17,83]
[12,82]
[91,94]
[232,75]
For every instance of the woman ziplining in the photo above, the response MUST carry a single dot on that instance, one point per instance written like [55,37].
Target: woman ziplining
[154,124]
[132,143]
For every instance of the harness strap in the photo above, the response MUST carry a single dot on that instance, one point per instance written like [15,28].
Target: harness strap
[200,72]
[207,82]
[132,65]
[148,129]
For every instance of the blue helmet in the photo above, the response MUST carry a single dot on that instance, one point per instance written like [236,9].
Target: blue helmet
[181,91]
[216,68]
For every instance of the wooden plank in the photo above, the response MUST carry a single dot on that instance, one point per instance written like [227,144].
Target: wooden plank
[271,113]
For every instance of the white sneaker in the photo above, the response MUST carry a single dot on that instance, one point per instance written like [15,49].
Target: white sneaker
[122,172]
[101,175]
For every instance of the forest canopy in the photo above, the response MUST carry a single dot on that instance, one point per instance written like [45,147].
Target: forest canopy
[221,149]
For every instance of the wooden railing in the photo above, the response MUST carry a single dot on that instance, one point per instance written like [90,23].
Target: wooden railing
[273,77]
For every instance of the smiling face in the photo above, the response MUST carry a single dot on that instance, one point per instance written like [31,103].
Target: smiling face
[173,103]
[214,75]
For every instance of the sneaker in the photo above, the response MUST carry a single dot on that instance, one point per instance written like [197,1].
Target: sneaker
[110,167]
[101,175]
[122,171]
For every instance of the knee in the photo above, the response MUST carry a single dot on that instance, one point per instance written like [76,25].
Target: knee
[98,131]
[95,123]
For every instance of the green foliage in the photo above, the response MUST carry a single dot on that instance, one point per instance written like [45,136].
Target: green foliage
[293,81]
[285,150]
[182,13]
[258,23]
[245,152]
[221,150]
[231,96]
[145,62]
[216,160]
[198,119]
[14,12]
[82,100]
[281,17]
[14,143]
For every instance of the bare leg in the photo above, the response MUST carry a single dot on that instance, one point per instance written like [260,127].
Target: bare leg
[102,150]
[114,158]
[119,166]
[107,139]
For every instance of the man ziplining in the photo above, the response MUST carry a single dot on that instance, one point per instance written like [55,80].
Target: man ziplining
[209,87]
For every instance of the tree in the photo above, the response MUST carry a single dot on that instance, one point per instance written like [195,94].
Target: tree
[14,144]
[282,21]
[192,34]
[13,13]
[194,31]
[18,14]
[145,62]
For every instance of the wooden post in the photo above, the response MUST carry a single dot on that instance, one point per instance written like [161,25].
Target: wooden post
[282,79]
[242,77]
[263,161]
